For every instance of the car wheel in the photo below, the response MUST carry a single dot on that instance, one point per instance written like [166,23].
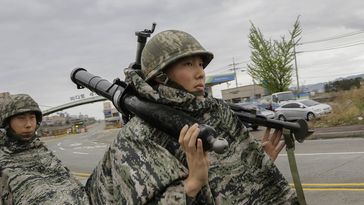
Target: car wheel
[255,127]
[281,118]
[310,116]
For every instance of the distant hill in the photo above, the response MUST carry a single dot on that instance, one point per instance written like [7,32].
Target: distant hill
[351,77]
[320,87]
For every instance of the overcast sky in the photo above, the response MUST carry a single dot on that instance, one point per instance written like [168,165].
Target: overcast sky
[41,41]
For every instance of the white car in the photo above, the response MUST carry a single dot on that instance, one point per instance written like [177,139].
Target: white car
[259,109]
[302,109]
[269,114]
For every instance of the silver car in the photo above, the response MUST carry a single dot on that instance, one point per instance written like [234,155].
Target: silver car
[302,109]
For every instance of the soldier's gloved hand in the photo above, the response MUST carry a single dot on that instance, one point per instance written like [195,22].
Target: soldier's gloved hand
[197,159]
[272,143]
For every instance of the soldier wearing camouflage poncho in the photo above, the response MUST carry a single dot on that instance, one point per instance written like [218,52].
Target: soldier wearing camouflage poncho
[29,172]
[146,166]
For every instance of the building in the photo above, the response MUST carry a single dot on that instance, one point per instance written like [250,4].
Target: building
[112,116]
[243,93]
[54,120]
[212,80]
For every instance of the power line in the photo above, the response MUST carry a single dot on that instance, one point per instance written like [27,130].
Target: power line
[332,75]
[221,69]
[228,67]
[333,48]
[326,64]
[333,38]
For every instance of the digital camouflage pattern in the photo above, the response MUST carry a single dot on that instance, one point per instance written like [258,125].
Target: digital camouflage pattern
[16,104]
[146,166]
[32,174]
[166,47]
[29,172]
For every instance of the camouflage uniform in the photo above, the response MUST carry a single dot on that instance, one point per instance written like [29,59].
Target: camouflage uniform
[146,166]
[29,172]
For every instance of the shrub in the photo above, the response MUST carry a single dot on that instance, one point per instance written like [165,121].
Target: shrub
[348,108]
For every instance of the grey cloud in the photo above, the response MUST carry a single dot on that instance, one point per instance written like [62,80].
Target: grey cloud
[42,41]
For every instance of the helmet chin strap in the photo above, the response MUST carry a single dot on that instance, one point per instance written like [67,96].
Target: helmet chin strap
[16,137]
[163,79]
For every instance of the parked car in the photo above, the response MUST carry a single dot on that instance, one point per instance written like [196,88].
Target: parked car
[268,104]
[302,109]
[269,114]
[259,110]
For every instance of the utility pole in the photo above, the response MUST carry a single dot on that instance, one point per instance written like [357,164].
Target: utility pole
[254,88]
[234,68]
[295,64]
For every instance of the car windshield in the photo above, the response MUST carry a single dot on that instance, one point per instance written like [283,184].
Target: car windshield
[261,107]
[251,106]
[247,105]
[309,103]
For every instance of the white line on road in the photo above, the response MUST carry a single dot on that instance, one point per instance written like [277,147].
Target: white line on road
[61,148]
[75,144]
[59,144]
[91,147]
[80,153]
[327,153]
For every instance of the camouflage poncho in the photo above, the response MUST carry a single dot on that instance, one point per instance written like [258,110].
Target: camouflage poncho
[31,174]
[146,166]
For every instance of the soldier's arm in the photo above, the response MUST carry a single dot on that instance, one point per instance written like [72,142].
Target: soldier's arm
[6,197]
[175,195]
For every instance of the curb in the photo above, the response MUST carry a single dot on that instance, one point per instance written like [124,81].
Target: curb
[342,134]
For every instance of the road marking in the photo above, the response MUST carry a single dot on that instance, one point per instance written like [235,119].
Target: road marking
[337,184]
[332,187]
[61,148]
[59,144]
[81,174]
[75,144]
[91,147]
[324,153]
[80,153]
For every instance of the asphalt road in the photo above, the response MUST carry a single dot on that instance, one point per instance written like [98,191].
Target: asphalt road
[82,152]
[330,170]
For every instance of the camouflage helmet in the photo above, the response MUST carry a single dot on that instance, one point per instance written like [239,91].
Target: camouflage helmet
[167,47]
[16,104]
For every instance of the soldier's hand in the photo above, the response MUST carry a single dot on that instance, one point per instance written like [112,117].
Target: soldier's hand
[197,159]
[272,143]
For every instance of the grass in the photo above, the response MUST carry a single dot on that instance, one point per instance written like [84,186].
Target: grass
[347,108]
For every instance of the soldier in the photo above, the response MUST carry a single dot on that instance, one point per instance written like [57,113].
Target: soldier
[29,172]
[146,166]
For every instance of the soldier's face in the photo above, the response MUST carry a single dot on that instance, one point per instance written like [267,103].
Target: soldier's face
[188,73]
[24,124]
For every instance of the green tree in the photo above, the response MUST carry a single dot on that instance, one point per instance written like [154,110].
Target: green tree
[345,84]
[272,60]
